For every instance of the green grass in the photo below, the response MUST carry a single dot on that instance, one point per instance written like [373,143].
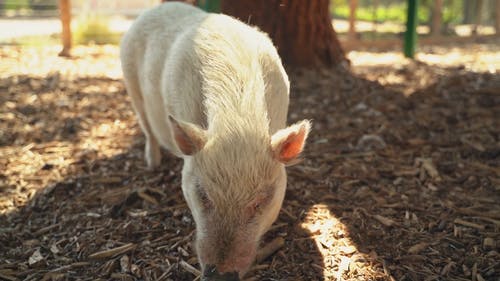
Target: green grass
[85,30]
[395,13]
[94,29]
[34,40]
[15,4]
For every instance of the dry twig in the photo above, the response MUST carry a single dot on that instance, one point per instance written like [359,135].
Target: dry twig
[113,252]
[269,249]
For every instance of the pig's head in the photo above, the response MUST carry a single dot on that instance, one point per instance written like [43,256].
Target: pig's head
[234,184]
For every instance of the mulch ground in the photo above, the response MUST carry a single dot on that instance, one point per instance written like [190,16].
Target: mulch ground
[401,177]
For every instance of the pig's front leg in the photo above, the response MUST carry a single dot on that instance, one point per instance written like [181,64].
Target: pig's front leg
[152,152]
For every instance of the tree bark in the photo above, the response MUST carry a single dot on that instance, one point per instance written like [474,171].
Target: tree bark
[374,14]
[497,16]
[301,30]
[353,5]
[437,18]
[478,16]
[65,12]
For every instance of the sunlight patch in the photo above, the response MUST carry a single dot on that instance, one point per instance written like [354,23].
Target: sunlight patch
[341,257]
[103,138]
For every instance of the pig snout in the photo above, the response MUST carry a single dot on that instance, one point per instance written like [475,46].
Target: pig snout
[212,274]
[220,261]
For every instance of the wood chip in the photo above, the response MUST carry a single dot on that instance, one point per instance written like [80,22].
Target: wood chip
[108,180]
[489,243]
[469,224]
[46,229]
[146,197]
[113,252]
[348,250]
[472,212]
[447,268]
[417,248]
[53,276]
[343,267]
[474,272]
[8,277]
[70,266]
[269,249]
[121,276]
[429,167]
[479,277]
[477,146]
[189,268]
[35,258]
[125,264]
[384,220]
[72,150]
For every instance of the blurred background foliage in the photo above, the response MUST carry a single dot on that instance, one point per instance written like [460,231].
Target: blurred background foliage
[94,29]
[386,10]
[92,18]
[28,7]
[454,11]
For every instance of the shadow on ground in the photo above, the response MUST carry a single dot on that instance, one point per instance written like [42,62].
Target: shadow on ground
[412,180]
[392,186]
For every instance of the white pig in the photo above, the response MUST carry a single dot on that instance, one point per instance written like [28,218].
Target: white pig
[213,91]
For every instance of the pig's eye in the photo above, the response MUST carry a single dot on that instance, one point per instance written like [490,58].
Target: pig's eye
[203,197]
[260,201]
[253,209]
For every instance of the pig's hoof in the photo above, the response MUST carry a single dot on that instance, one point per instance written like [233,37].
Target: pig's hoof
[152,163]
[153,156]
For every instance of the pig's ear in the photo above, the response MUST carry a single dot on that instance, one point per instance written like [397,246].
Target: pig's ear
[189,137]
[287,144]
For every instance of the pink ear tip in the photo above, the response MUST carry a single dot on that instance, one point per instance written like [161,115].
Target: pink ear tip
[306,125]
[290,142]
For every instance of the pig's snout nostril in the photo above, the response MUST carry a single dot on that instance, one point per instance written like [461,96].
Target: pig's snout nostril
[211,274]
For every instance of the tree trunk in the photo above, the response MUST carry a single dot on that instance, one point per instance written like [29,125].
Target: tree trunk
[65,12]
[469,11]
[437,18]
[497,16]
[353,5]
[301,30]
[374,15]
[478,16]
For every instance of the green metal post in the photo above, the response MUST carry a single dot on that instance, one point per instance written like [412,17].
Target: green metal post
[211,6]
[411,29]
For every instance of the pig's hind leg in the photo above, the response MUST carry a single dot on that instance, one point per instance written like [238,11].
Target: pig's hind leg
[152,152]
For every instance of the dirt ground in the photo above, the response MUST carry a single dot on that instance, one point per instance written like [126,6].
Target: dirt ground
[401,177]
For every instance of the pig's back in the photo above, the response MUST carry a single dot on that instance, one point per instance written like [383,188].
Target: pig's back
[226,69]
[200,67]
[148,41]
